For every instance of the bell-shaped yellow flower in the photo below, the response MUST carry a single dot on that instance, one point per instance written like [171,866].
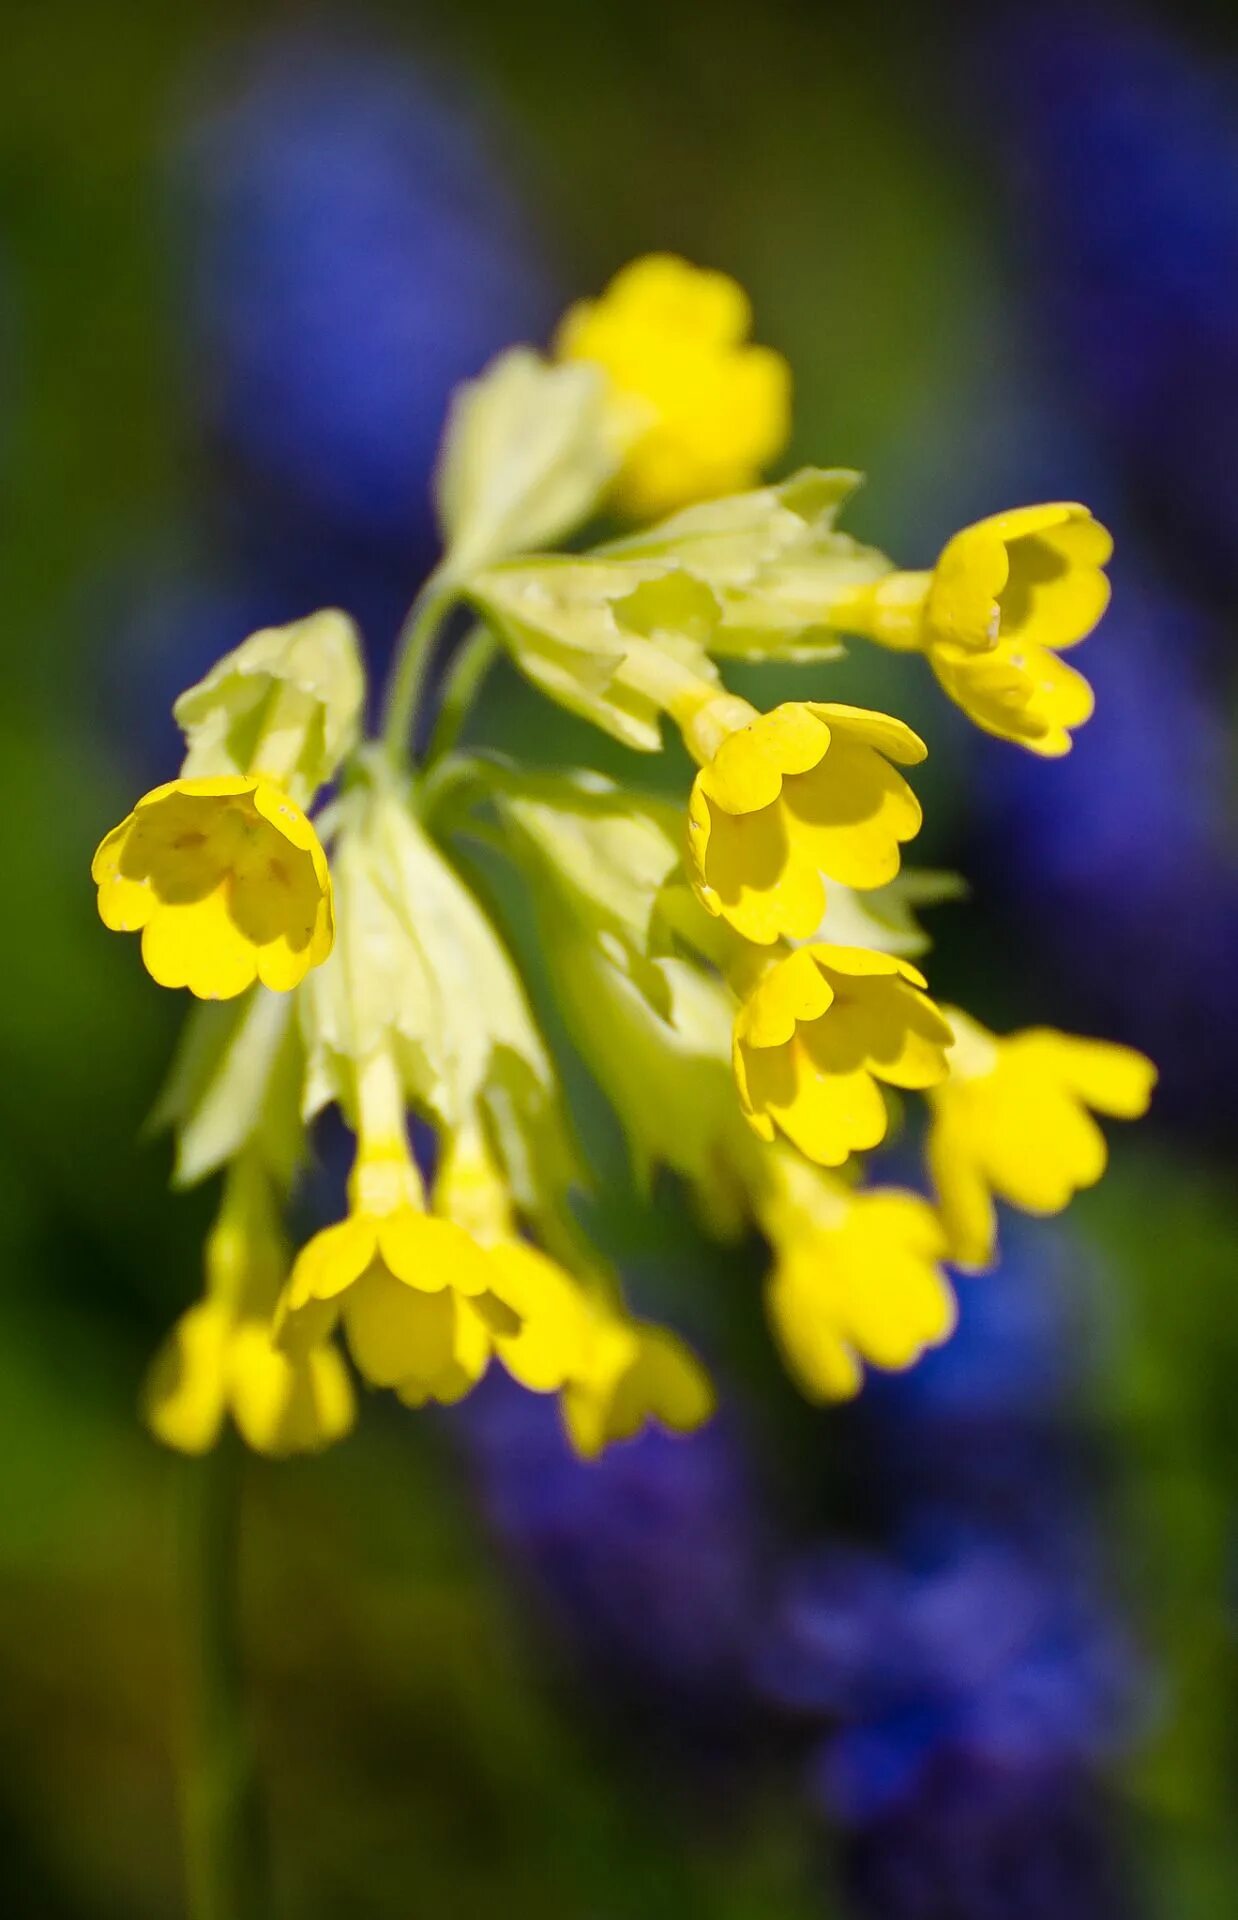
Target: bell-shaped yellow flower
[214,1363]
[226,881]
[550,1339]
[702,410]
[859,1283]
[220,1357]
[1033,576]
[418,1298]
[797,794]
[819,1031]
[1006,597]
[632,1374]
[1012,1121]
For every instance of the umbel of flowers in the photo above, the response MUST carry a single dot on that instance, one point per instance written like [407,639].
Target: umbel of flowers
[740,973]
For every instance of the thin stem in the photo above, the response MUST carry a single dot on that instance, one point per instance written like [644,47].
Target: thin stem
[464,676]
[224,1852]
[413,654]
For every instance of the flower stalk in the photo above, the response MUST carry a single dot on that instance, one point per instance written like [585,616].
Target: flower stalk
[410,672]
[225,1865]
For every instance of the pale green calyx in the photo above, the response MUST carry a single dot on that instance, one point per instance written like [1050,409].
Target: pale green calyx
[235,1085]
[528,451]
[617,642]
[663,1062]
[286,703]
[606,854]
[885,919]
[773,560]
[420,973]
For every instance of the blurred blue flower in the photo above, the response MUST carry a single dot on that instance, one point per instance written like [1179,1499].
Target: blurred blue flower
[1121,143]
[986,1843]
[650,1557]
[957,1646]
[989,1419]
[1126,850]
[354,250]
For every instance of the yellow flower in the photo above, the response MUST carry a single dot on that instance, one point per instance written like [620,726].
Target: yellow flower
[633,1373]
[227,882]
[702,410]
[418,1297]
[1012,1121]
[797,793]
[214,1363]
[1033,576]
[553,1319]
[220,1356]
[819,1031]
[1006,597]
[857,1279]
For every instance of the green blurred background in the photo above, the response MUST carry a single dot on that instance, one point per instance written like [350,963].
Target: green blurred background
[432,1737]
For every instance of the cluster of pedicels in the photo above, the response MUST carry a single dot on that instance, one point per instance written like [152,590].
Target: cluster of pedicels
[740,981]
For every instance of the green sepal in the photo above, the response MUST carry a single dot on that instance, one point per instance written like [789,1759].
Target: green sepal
[418,968]
[288,700]
[528,451]
[235,1082]
[610,641]
[663,1062]
[884,918]
[773,561]
[607,852]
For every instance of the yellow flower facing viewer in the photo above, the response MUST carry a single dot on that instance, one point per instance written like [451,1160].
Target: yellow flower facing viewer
[816,1035]
[1006,597]
[226,881]
[418,1298]
[1012,1121]
[220,1357]
[857,1279]
[789,797]
[702,410]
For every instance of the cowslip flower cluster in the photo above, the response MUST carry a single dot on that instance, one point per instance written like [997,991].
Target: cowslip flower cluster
[738,974]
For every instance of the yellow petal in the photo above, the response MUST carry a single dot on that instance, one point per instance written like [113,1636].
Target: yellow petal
[396,1332]
[551,1341]
[429,1253]
[199,946]
[282,1404]
[184,1397]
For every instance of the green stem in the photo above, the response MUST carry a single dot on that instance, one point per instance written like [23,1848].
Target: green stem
[464,676]
[224,1864]
[413,654]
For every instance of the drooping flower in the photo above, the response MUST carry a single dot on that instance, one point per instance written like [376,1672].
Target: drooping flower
[819,1031]
[704,409]
[633,1373]
[1006,596]
[220,1357]
[804,791]
[1012,1120]
[857,1278]
[226,881]
[418,1298]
